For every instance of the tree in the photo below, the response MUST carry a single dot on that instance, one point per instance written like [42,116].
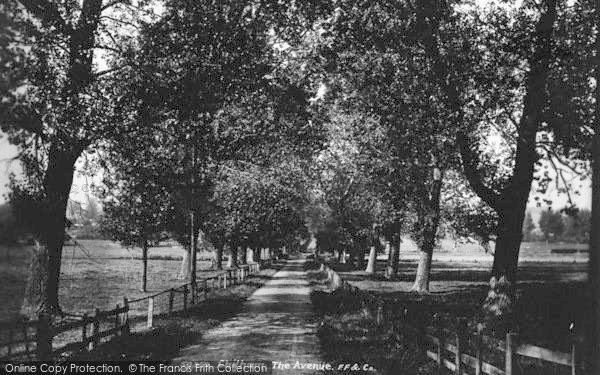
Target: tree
[376,67]
[551,224]
[256,207]
[64,107]
[522,101]
[528,226]
[137,206]
[211,68]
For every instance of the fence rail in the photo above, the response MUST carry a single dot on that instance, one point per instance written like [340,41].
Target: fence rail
[449,348]
[36,339]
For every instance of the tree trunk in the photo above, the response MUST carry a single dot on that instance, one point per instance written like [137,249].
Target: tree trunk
[44,276]
[218,259]
[242,255]
[144,268]
[499,303]
[430,223]
[421,284]
[343,256]
[233,254]
[372,260]
[184,272]
[534,102]
[391,271]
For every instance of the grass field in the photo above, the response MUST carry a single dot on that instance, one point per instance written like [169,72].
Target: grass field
[552,295]
[552,292]
[99,275]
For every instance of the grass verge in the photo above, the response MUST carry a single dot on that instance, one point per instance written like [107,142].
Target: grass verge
[171,333]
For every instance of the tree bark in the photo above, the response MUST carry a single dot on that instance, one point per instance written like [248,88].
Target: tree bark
[44,277]
[242,255]
[233,254]
[372,260]
[312,246]
[430,223]
[391,270]
[421,284]
[343,256]
[144,267]
[218,258]
[184,271]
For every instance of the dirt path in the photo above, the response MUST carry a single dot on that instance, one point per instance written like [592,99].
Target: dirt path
[275,324]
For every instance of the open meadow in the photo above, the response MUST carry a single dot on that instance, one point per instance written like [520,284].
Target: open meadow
[98,275]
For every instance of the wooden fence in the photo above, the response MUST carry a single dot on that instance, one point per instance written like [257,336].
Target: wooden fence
[458,351]
[42,339]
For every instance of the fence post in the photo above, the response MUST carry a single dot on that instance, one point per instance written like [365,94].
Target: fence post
[126,317]
[96,329]
[478,346]
[510,353]
[117,322]
[171,296]
[573,349]
[150,312]
[461,327]
[440,336]
[185,295]
[44,338]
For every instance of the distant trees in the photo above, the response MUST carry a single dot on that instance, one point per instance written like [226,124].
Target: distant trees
[528,226]
[564,225]
[551,224]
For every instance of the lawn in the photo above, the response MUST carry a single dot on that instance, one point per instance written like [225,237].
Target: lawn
[552,289]
[97,276]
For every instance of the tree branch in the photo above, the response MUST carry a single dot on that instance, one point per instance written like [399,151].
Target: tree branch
[469,162]
[48,13]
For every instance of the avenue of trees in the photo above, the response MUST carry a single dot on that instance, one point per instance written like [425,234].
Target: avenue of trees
[262,124]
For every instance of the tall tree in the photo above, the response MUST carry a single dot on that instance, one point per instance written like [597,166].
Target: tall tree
[59,107]
[549,76]
[137,206]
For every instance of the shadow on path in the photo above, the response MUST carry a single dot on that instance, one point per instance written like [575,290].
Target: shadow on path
[276,323]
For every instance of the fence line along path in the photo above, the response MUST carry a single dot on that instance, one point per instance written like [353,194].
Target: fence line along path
[456,350]
[42,339]
[276,323]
